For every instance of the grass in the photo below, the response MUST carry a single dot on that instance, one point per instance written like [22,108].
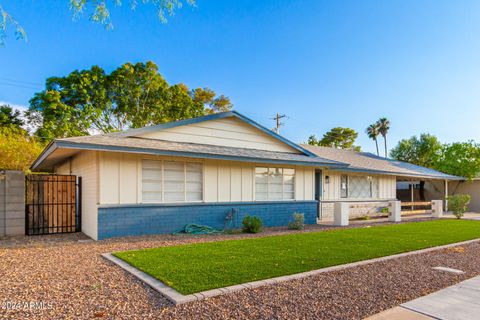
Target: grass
[203,266]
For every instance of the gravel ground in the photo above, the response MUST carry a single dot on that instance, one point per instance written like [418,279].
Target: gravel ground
[67,274]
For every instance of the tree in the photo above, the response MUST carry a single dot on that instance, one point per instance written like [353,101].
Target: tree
[340,138]
[132,96]
[10,118]
[373,133]
[460,159]
[424,151]
[98,12]
[383,125]
[17,149]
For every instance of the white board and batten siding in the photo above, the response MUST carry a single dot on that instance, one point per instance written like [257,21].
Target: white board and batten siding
[228,132]
[85,164]
[223,181]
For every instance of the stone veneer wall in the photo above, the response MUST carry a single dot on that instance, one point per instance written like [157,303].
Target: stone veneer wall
[357,209]
[119,221]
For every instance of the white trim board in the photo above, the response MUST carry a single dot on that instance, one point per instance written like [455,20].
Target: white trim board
[178,298]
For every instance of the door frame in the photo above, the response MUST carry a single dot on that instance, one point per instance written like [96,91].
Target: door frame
[319,191]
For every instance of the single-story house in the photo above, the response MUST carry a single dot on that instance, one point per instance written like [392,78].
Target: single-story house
[370,182]
[214,170]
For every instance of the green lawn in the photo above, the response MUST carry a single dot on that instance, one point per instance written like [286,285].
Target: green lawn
[198,267]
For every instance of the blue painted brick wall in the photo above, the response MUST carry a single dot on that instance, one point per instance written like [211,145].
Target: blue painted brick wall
[119,221]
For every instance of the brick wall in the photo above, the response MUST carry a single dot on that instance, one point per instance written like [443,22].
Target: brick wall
[356,209]
[12,203]
[117,221]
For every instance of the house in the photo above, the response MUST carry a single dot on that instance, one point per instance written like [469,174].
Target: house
[214,170]
[370,182]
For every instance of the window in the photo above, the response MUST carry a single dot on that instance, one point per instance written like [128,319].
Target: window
[171,181]
[274,184]
[358,187]
[151,181]
[343,186]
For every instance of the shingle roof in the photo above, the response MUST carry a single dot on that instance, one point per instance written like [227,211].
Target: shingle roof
[368,162]
[142,145]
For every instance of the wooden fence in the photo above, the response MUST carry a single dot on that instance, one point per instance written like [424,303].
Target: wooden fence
[417,207]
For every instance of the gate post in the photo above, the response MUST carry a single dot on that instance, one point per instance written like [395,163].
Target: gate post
[395,214]
[340,214]
[78,225]
[437,208]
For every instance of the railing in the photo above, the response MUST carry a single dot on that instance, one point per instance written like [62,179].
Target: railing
[417,207]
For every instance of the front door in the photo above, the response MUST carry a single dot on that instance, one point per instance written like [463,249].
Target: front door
[318,192]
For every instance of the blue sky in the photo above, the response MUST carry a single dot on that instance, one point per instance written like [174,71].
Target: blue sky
[322,63]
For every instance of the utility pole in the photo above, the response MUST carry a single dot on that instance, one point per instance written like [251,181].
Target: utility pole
[278,123]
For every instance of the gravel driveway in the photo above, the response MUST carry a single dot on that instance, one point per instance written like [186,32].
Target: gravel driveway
[65,278]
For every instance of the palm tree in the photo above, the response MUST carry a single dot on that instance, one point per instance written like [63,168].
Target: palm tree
[373,132]
[383,127]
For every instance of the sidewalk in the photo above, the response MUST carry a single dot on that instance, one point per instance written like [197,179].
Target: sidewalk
[458,302]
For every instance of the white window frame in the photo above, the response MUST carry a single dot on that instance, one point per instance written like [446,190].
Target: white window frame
[162,161]
[267,185]
[370,179]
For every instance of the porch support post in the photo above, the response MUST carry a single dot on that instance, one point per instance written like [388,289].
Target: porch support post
[412,195]
[446,195]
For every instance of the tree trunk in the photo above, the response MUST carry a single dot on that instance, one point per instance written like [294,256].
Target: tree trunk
[376,144]
[385,140]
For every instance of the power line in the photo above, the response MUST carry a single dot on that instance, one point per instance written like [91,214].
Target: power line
[278,123]
[20,81]
[17,85]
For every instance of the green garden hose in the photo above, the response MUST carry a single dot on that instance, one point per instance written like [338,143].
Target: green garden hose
[198,229]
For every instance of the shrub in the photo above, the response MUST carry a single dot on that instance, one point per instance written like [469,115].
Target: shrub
[298,221]
[458,203]
[252,224]
[385,210]
[365,217]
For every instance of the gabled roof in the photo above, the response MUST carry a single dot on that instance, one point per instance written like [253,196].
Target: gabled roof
[370,163]
[132,141]
[215,116]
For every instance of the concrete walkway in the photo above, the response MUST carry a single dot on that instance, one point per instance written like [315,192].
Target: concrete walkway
[458,302]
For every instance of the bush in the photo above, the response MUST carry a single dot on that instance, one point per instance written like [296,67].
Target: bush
[385,210]
[252,224]
[298,221]
[458,203]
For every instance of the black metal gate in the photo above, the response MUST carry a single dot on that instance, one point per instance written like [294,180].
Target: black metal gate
[52,204]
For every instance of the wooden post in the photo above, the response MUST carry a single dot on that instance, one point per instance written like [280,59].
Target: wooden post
[446,195]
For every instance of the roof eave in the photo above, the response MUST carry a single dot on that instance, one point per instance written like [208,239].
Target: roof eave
[100,147]
[403,174]
[51,147]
